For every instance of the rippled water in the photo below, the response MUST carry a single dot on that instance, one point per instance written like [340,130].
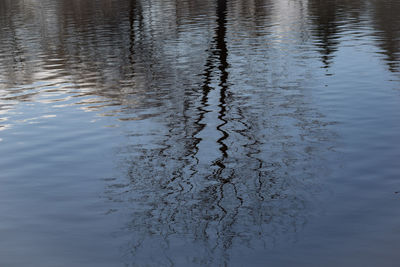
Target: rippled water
[199,133]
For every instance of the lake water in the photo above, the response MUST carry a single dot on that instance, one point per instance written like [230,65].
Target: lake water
[199,133]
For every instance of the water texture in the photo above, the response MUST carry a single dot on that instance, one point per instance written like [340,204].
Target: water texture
[199,133]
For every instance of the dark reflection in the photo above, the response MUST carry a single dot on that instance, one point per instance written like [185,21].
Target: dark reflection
[222,54]
[325,27]
[330,19]
[388,30]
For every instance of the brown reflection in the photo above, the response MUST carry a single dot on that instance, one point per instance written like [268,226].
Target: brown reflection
[96,44]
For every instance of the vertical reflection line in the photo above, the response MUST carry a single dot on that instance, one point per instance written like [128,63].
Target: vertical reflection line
[220,52]
[222,55]
[131,33]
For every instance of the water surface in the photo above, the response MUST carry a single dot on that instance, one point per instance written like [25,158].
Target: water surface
[199,133]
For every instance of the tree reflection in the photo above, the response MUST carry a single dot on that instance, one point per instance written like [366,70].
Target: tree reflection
[388,30]
[325,22]
[224,176]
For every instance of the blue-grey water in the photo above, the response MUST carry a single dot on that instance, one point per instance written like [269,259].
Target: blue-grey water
[199,133]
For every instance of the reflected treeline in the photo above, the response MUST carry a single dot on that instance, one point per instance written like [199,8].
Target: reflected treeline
[119,50]
[44,40]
